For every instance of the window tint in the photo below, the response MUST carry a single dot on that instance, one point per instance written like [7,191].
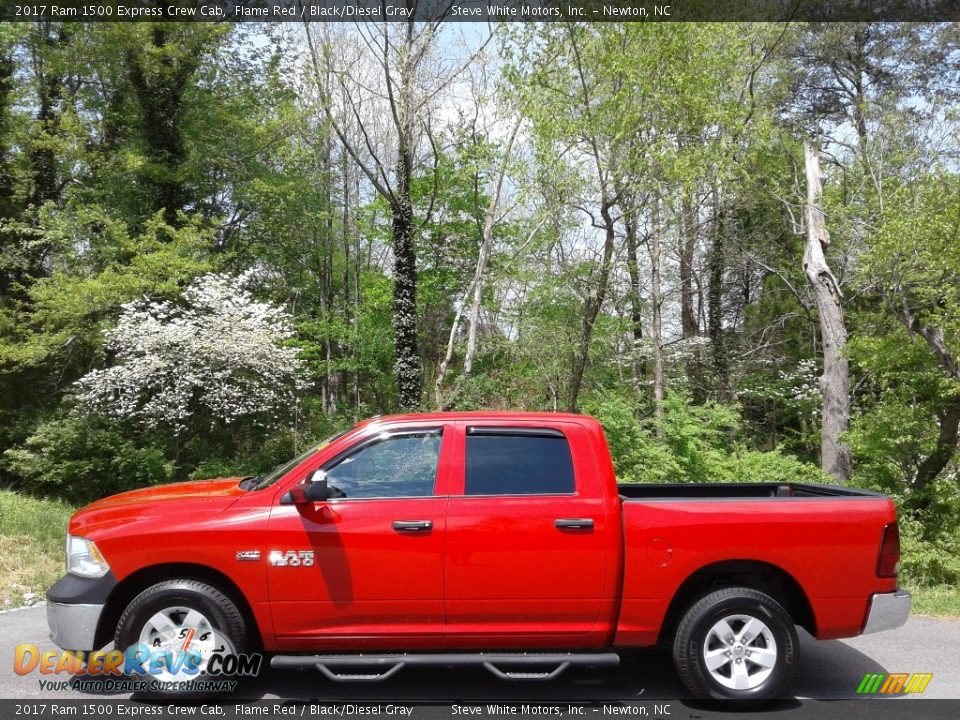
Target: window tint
[396,466]
[500,463]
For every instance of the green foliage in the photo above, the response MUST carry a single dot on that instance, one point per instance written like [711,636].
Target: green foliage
[930,554]
[76,459]
[777,467]
[101,267]
[698,443]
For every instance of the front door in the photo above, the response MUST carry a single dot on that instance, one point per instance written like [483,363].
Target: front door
[367,564]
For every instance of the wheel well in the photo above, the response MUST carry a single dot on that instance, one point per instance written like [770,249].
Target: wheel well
[767,578]
[137,582]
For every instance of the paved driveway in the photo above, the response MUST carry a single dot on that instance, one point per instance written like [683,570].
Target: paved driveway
[828,670]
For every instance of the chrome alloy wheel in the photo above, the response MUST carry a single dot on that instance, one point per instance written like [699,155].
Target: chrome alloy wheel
[739,652]
[178,633]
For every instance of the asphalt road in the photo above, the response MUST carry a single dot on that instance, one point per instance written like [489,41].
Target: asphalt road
[828,670]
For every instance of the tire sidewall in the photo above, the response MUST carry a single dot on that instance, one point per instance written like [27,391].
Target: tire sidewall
[767,611]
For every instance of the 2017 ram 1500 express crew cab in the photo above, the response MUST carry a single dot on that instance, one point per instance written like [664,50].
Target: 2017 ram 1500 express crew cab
[493,538]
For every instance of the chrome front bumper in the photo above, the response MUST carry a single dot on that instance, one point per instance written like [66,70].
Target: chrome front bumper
[887,611]
[73,627]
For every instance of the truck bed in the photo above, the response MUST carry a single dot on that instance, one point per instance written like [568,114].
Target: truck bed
[821,538]
[721,491]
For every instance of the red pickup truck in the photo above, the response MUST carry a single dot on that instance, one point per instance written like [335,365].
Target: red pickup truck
[497,539]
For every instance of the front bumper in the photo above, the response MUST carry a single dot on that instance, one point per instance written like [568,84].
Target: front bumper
[887,611]
[74,607]
[74,627]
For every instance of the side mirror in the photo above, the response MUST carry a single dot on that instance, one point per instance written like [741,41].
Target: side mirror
[315,489]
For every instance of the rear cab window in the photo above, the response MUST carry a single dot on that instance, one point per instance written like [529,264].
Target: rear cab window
[517,461]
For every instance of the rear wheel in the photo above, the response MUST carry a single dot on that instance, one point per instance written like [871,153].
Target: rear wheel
[737,644]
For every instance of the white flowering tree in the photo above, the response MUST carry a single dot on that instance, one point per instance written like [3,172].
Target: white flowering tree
[216,356]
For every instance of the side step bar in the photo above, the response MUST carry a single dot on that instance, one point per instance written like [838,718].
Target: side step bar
[506,666]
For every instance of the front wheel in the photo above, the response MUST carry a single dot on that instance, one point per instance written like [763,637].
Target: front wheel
[736,644]
[177,626]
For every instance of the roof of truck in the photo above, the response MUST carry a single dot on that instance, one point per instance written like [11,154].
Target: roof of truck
[478,415]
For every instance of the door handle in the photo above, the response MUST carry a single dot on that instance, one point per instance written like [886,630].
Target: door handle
[412,525]
[573,523]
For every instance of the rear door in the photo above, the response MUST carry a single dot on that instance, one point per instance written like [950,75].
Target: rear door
[367,565]
[528,545]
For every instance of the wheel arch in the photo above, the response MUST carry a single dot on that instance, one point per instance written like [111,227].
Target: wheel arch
[763,576]
[135,583]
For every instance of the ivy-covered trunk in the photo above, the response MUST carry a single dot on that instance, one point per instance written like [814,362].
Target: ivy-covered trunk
[408,367]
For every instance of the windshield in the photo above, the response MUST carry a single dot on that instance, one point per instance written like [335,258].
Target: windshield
[262,481]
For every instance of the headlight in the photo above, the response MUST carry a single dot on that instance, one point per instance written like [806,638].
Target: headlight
[84,559]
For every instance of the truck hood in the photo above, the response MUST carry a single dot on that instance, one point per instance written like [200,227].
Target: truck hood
[193,490]
[176,500]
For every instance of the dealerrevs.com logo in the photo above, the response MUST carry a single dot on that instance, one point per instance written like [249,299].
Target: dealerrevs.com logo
[190,662]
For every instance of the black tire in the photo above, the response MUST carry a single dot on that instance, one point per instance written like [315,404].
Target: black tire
[217,609]
[763,671]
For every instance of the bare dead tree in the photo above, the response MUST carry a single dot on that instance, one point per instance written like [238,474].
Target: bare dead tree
[835,456]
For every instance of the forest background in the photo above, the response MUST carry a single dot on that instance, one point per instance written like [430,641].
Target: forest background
[220,243]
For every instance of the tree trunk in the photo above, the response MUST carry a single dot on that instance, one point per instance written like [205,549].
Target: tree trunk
[688,243]
[656,297]
[834,382]
[715,302]
[948,417]
[949,421]
[409,369]
[408,366]
[636,304]
[689,326]
[591,308]
[476,295]
[486,243]
[448,355]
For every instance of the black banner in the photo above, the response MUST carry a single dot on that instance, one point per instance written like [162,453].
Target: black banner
[478,10]
[97,709]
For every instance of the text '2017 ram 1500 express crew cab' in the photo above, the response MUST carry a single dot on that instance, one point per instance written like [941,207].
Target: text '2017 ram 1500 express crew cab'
[489,538]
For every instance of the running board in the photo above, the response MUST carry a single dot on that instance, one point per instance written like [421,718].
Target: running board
[505,666]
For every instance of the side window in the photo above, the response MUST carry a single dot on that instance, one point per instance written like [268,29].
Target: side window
[501,462]
[403,465]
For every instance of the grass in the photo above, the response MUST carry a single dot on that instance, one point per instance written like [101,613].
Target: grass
[936,601]
[31,547]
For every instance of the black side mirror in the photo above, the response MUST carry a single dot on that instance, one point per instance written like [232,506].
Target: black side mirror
[315,489]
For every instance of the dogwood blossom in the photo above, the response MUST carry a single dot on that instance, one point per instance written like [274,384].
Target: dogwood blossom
[216,354]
